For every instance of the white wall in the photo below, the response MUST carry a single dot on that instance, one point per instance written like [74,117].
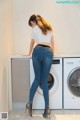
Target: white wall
[5,50]
[64,18]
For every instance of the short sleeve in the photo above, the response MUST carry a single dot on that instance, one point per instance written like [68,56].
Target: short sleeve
[33,36]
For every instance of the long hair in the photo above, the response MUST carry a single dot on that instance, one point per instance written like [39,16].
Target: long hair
[41,22]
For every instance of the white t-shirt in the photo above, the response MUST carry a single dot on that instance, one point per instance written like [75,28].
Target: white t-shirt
[38,35]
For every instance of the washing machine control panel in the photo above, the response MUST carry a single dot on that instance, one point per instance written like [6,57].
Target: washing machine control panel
[56,61]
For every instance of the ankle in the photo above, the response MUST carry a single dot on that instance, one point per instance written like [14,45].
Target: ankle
[47,113]
[47,110]
[29,104]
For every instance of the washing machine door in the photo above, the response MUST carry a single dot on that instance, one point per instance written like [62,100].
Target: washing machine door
[74,81]
[53,82]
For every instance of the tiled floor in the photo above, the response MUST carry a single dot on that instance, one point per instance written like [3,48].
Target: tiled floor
[37,115]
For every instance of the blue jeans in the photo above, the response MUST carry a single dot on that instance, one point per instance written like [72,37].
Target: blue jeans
[42,60]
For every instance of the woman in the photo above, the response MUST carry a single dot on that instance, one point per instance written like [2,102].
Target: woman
[42,56]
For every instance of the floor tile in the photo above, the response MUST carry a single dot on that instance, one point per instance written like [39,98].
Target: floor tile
[37,115]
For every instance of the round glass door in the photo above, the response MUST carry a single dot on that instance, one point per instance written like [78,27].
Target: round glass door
[51,85]
[74,82]
[50,81]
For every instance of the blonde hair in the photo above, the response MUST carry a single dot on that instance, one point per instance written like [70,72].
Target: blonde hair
[41,22]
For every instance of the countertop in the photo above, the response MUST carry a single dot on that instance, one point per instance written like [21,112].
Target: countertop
[56,56]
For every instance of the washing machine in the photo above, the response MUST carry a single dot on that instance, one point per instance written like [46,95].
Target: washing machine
[71,83]
[54,85]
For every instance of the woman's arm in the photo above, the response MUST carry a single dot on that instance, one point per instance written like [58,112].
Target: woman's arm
[52,43]
[31,46]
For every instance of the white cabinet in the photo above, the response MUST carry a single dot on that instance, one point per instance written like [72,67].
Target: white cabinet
[19,82]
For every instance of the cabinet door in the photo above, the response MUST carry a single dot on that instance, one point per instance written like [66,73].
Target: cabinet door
[20,71]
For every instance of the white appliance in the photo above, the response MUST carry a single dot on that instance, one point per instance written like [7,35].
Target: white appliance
[71,83]
[54,84]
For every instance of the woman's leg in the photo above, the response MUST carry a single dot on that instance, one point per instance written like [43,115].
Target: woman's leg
[47,57]
[45,69]
[37,70]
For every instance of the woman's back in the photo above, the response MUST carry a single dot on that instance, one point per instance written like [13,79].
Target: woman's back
[39,37]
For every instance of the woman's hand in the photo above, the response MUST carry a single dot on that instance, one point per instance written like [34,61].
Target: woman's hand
[26,55]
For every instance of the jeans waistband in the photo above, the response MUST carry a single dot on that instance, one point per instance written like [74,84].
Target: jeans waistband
[43,45]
